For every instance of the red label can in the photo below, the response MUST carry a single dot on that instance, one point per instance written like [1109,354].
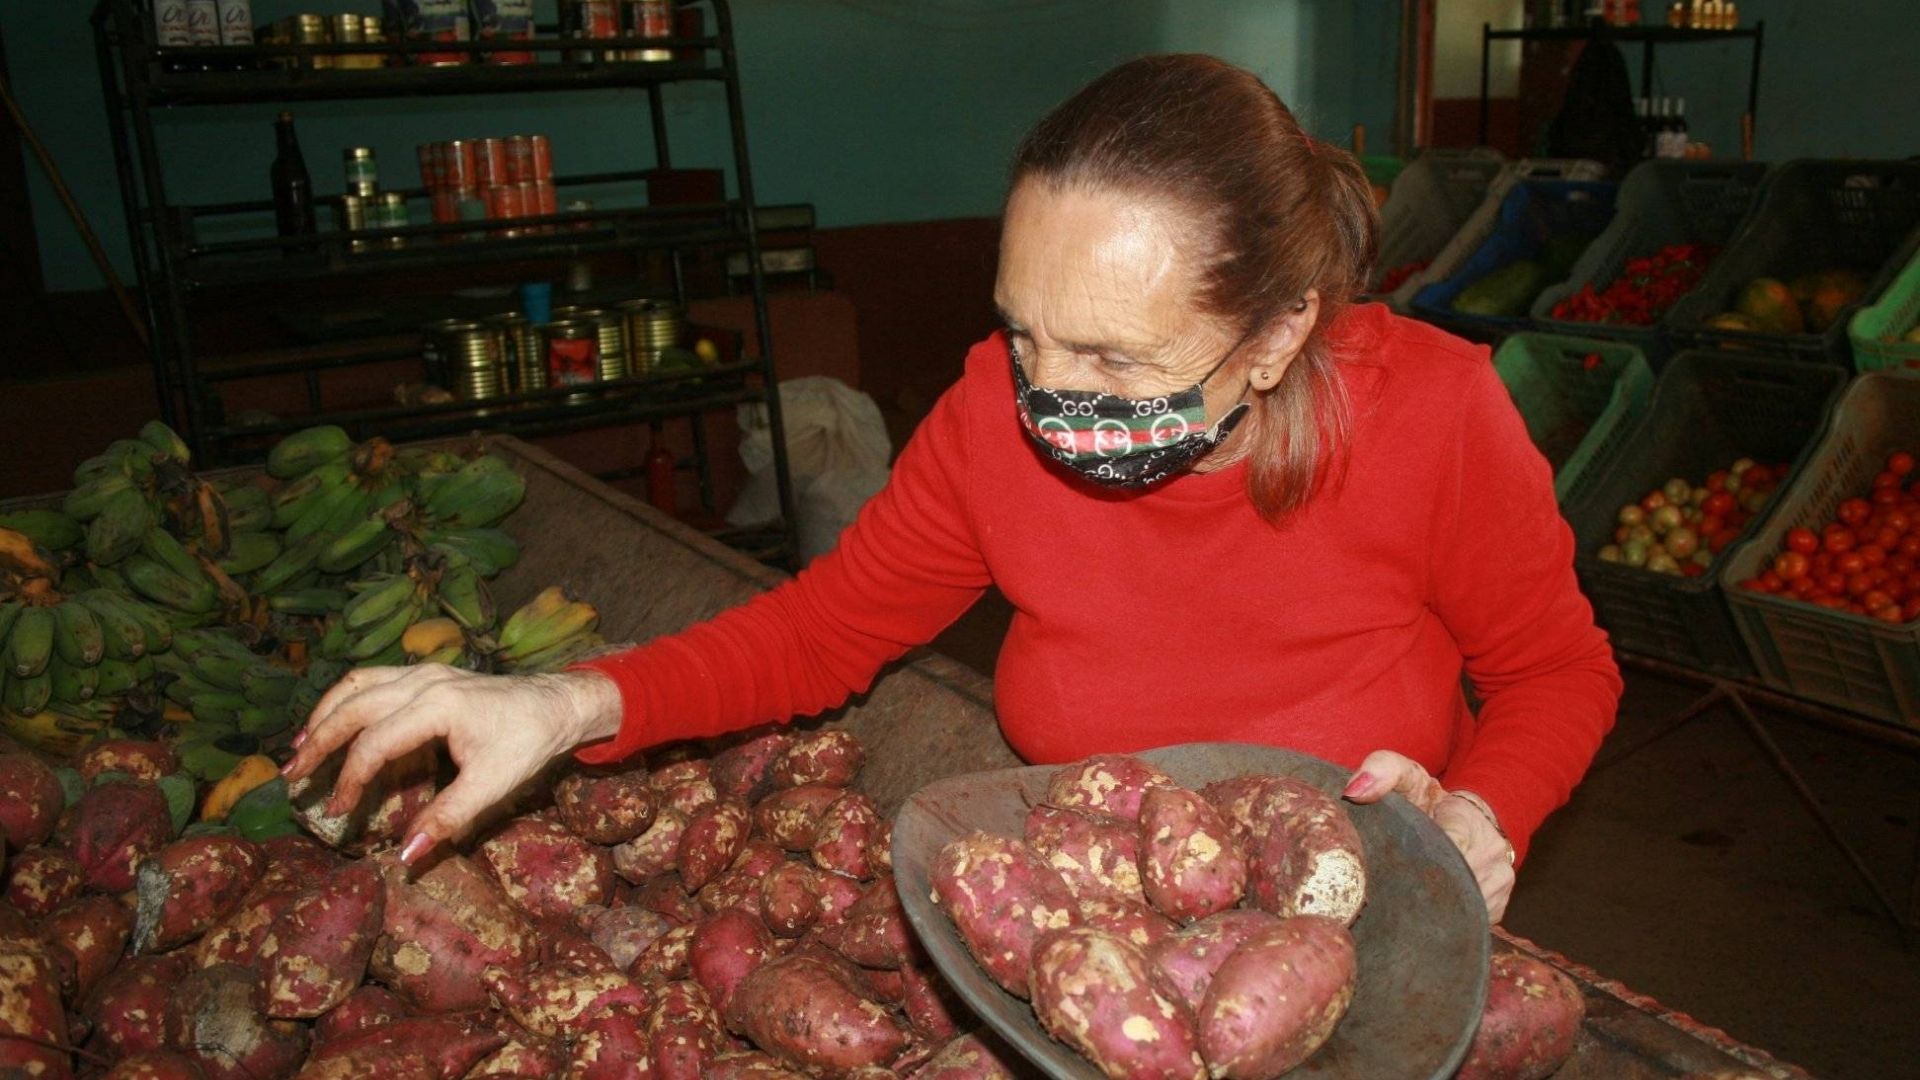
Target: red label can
[490,160]
[573,354]
[520,159]
[542,157]
[446,205]
[505,202]
[547,197]
[462,164]
[433,165]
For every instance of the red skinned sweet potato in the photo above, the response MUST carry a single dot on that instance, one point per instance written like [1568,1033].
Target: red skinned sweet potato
[874,933]
[832,758]
[141,759]
[725,949]
[390,802]
[612,1046]
[450,1046]
[683,1032]
[713,839]
[30,1012]
[665,960]
[293,862]
[845,836]
[316,953]
[236,939]
[807,1013]
[1091,991]
[156,1065]
[838,894]
[744,771]
[127,1011]
[560,1000]
[544,869]
[1277,998]
[1110,784]
[880,848]
[563,943]
[1096,855]
[605,807]
[654,852]
[1312,861]
[367,1007]
[525,1056]
[790,818]
[1142,926]
[216,1017]
[1184,962]
[1001,898]
[750,1065]
[1190,864]
[1528,1028]
[930,1004]
[623,933]
[683,786]
[665,896]
[85,939]
[42,881]
[30,801]
[790,899]
[969,1057]
[113,827]
[441,931]
[190,885]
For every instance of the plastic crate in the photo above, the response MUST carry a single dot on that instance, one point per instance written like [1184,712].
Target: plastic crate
[1835,657]
[1877,328]
[1429,201]
[1382,168]
[1709,409]
[1661,203]
[1531,214]
[1579,397]
[1813,215]
[1462,240]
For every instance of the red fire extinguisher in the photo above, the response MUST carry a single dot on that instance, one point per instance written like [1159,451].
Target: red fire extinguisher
[660,469]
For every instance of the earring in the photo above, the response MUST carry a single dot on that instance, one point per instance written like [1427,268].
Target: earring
[1264,375]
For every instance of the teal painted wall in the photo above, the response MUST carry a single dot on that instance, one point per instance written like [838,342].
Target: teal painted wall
[873,110]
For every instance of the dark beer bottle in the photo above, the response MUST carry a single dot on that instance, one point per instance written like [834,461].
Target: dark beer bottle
[293,212]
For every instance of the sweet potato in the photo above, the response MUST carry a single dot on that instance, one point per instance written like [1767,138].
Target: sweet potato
[605,808]
[880,848]
[140,759]
[1001,898]
[216,1017]
[30,801]
[295,859]
[1110,784]
[1091,991]
[1097,856]
[368,1006]
[740,885]
[832,758]
[930,1004]
[525,1056]
[790,818]
[1142,926]
[875,933]
[440,933]
[127,1011]
[623,933]
[190,885]
[751,1065]
[684,786]
[790,899]
[1190,864]
[86,939]
[43,880]
[1239,801]
[30,1013]
[561,1000]
[113,827]
[390,802]
[544,869]
[683,1032]
[807,1013]
[1528,1028]
[236,939]
[654,852]
[1312,861]
[666,959]
[838,894]
[14,924]
[613,1046]
[845,834]
[665,896]
[314,955]
[156,1065]
[1277,998]
[745,771]
[725,949]
[969,1057]
[449,1046]
[713,839]
[1184,962]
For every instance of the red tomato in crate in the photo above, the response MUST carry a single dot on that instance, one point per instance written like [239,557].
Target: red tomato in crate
[1837,539]
[1900,463]
[1873,555]
[1910,610]
[1790,565]
[1855,511]
[1801,540]
[1850,563]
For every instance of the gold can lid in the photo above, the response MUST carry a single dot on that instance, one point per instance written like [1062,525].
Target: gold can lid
[449,326]
[572,328]
[352,201]
[358,153]
[393,198]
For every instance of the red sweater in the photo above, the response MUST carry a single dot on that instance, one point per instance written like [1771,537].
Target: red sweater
[1179,615]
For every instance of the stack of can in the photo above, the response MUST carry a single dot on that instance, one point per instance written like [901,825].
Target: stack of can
[468,358]
[649,326]
[525,359]
[602,19]
[365,206]
[490,179]
[612,354]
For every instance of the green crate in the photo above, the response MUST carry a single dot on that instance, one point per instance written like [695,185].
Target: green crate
[1382,168]
[1661,203]
[1709,408]
[1877,328]
[1579,397]
[1835,657]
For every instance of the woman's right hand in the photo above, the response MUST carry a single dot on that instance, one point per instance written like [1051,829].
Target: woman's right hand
[500,730]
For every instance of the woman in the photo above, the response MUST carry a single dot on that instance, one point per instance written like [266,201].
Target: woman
[1225,504]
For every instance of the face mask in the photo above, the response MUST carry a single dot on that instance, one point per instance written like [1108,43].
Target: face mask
[1122,442]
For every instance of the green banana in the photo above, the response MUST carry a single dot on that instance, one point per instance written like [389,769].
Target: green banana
[201,755]
[27,696]
[374,604]
[114,677]
[311,601]
[558,654]
[293,561]
[225,672]
[249,509]
[333,644]
[385,634]
[218,707]
[544,632]
[71,684]
[319,514]
[392,656]
[249,551]
[159,583]
[292,502]
[136,457]
[163,440]
[193,644]
[303,451]
[85,502]
[77,637]
[94,468]
[355,546]
[117,531]
[477,496]
[268,684]
[50,529]
[30,643]
[488,551]
[465,597]
[264,813]
[159,632]
[453,655]
[9,612]
[120,633]
[78,579]
[263,721]
[161,547]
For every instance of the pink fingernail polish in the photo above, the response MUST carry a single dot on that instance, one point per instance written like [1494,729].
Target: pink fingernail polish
[299,738]
[415,848]
[1358,785]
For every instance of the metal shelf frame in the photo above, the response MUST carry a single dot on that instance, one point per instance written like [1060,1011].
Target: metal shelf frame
[140,79]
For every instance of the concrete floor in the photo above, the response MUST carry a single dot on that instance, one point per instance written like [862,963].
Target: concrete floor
[1689,871]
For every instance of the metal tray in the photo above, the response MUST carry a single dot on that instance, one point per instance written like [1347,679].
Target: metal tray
[1423,937]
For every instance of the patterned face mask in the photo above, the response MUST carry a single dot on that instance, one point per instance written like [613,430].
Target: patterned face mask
[1122,442]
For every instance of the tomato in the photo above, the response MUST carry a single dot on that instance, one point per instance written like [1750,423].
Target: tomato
[1900,565]
[1850,563]
[1874,598]
[1873,555]
[1756,476]
[1855,511]
[1888,614]
[1654,501]
[1899,521]
[1800,540]
[1900,463]
[1719,504]
[1886,540]
[1834,602]
[1691,569]
[1910,610]
[1771,580]
[1858,585]
[1833,583]
[1717,481]
[1790,565]
[1801,587]
[1886,480]
[1837,539]
[1886,497]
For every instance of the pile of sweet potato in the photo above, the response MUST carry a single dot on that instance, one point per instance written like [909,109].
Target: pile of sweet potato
[727,912]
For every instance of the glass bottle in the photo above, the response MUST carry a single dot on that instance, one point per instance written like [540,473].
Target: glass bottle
[293,211]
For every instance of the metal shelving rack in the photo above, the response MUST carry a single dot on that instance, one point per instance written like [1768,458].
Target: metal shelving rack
[140,79]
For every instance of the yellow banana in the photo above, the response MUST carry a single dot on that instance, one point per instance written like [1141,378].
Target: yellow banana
[23,556]
[429,636]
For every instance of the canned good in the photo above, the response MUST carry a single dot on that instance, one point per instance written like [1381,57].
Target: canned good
[520,159]
[542,157]
[236,21]
[546,198]
[436,20]
[525,365]
[461,168]
[203,23]
[170,24]
[352,216]
[490,161]
[393,215]
[363,172]
[612,349]
[466,358]
[649,19]
[649,327]
[310,30]
[594,19]
[572,351]
[505,20]
[504,202]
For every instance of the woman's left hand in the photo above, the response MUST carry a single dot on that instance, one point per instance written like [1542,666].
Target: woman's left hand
[1462,816]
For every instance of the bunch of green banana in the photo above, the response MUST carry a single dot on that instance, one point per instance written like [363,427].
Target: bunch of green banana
[304,451]
[463,594]
[372,623]
[59,729]
[53,650]
[484,491]
[249,509]
[488,551]
[166,573]
[226,686]
[51,530]
[133,459]
[549,631]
